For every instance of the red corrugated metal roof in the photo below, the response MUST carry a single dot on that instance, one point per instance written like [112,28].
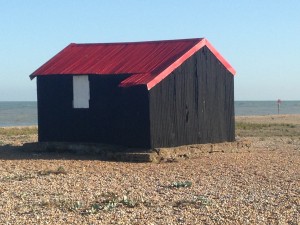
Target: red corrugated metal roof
[148,62]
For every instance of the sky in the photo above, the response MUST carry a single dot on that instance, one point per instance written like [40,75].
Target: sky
[259,38]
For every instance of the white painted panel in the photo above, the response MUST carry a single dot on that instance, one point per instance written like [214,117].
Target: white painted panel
[81,91]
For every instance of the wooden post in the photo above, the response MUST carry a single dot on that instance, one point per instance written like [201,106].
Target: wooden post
[278,105]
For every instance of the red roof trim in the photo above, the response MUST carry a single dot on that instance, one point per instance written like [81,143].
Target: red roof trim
[184,57]
[176,64]
[219,57]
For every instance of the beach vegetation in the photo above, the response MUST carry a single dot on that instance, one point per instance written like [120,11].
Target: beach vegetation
[245,129]
[14,131]
[59,170]
[197,201]
[180,184]
[108,202]
[17,177]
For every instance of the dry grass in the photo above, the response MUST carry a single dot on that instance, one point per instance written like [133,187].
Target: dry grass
[14,131]
[18,135]
[246,129]
[243,129]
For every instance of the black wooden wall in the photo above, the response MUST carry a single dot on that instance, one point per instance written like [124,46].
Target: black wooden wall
[116,115]
[195,104]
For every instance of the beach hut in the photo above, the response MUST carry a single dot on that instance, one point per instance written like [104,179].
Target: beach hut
[140,94]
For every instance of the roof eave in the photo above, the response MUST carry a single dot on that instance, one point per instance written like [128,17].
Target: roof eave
[32,76]
[36,72]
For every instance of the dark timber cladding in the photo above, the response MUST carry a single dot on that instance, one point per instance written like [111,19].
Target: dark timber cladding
[140,94]
[195,104]
[115,115]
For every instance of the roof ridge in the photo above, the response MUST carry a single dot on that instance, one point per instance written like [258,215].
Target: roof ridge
[138,42]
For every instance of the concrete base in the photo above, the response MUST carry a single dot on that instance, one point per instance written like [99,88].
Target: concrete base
[120,153]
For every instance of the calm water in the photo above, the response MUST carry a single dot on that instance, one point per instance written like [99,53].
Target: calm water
[18,113]
[245,108]
[25,113]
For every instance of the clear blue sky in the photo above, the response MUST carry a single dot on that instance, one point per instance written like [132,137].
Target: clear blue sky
[260,38]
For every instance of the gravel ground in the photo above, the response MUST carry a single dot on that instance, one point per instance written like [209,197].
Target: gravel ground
[257,186]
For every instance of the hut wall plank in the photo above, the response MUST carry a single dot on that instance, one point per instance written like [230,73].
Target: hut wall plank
[195,104]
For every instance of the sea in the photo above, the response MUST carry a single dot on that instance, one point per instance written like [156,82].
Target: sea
[25,113]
